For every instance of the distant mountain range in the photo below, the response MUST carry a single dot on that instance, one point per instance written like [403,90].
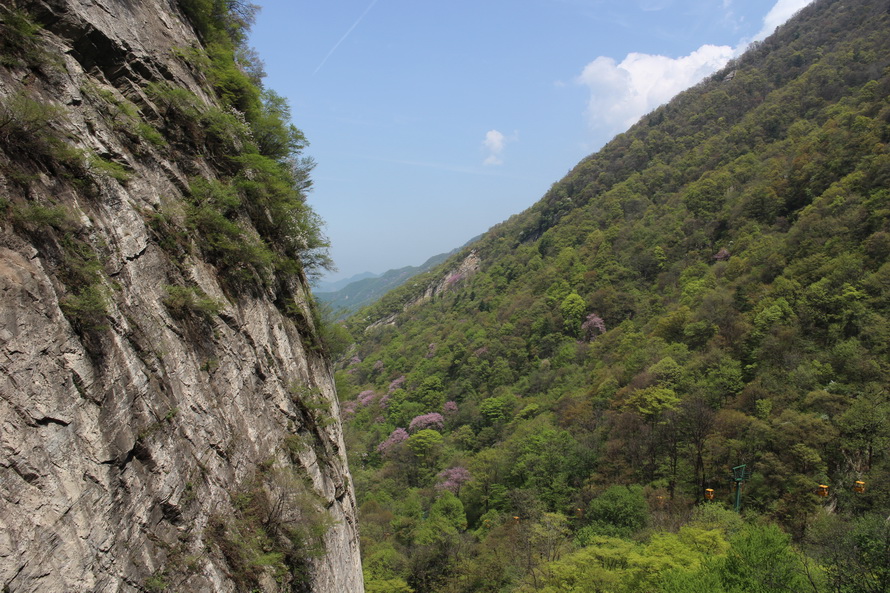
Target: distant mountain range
[351,294]
[322,286]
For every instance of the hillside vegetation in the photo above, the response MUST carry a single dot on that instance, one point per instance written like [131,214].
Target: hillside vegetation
[711,289]
[361,293]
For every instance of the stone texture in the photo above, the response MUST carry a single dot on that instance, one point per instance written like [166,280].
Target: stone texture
[117,456]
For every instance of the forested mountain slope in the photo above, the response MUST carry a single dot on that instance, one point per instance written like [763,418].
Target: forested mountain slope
[711,289]
[361,293]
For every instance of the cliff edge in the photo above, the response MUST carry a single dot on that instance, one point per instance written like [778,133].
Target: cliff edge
[168,419]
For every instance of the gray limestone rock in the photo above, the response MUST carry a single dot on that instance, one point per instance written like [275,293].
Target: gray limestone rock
[154,451]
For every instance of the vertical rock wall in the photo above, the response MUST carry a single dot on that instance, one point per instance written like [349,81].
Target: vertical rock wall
[153,451]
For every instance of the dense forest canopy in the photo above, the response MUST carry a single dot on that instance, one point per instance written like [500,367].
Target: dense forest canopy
[710,290]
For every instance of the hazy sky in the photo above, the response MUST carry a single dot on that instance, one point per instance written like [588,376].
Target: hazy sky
[433,121]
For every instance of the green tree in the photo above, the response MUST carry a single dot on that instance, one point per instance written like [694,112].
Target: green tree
[761,560]
[618,511]
[572,310]
[425,444]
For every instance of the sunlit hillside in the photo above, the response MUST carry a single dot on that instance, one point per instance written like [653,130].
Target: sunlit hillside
[710,290]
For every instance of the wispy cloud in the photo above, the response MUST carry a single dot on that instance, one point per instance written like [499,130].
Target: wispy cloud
[494,144]
[345,35]
[622,92]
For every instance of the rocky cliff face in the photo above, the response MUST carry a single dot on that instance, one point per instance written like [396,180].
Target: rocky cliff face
[454,275]
[160,430]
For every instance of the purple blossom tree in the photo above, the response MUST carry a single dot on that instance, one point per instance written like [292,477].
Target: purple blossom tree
[431,420]
[398,435]
[348,408]
[450,407]
[396,384]
[593,326]
[452,479]
[453,278]
[366,397]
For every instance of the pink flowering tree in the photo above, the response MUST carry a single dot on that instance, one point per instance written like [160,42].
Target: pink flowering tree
[348,409]
[396,384]
[383,402]
[449,408]
[453,279]
[593,326]
[366,397]
[432,420]
[399,435]
[452,479]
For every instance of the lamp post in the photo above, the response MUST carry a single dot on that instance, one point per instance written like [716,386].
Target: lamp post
[740,473]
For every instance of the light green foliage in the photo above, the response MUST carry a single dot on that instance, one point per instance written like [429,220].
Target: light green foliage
[122,114]
[86,308]
[667,371]
[572,309]
[156,583]
[36,216]
[446,519]
[425,443]
[653,401]
[496,409]
[278,526]
[175,101]
[27,124]
[273,133]
[86,302]
[620,510]
[618,566]
[761,560]
[713,516]
[545,461]
[430,394]
[234,247]
[182,300]
[20,43]
[734,245]
[107,168]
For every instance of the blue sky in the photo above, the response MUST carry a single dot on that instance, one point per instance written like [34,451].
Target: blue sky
[432,121]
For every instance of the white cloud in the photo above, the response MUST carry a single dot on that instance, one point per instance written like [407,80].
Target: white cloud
[621,93]
[781,12]
[494,144]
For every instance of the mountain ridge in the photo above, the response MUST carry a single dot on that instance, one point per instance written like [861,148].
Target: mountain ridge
[708,291]
[364,291]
